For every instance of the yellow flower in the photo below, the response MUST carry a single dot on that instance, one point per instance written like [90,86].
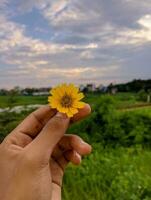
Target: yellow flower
[66,99]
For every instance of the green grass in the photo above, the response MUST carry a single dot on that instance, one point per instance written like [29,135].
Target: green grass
[110,174]
[5,101]
[145,111]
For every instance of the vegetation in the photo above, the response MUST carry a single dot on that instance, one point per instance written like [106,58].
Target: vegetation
[110,174]
[119,129]
[7,101]
[135,86]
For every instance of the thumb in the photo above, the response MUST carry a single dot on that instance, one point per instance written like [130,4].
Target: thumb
[50,135]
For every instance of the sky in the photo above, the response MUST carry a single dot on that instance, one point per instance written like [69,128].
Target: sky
[47,42]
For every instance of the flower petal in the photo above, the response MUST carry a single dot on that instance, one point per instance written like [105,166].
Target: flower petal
[73,110]
[69,114]
[55,93]
[59,92]
[80,96]
[63,110]
[78,104]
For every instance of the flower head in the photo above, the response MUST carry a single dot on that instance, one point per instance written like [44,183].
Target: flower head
[66,99]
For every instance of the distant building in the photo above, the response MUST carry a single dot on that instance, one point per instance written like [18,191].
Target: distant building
[82,87]
[35,91]
[149,96]
[100,87]
[114,90]
[25,93]
[40,93]
[104,89]
[91,87]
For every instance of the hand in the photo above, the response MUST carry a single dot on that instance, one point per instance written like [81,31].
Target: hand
[33,157]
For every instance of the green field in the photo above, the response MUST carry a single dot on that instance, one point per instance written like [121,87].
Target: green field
[123,100]
[119,130]
[6,101]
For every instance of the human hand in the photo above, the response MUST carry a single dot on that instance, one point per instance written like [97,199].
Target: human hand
[33,156]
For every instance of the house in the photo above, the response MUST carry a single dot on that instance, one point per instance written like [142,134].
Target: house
[82,87]
[91,87]
[45,93]
[113,90]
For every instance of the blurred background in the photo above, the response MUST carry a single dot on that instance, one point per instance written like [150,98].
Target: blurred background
[104,47]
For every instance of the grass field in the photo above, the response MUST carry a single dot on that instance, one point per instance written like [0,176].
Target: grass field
[123,100]
[145,110]
[110,174]
[6,101]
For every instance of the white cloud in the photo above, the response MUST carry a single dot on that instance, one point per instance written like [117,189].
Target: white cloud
[136,37]
[69,12]
[87,55]
[73,72]
[55,9]
[28,5]
[86,20]
[145,21]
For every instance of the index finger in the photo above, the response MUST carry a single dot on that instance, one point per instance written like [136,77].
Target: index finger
[34,123]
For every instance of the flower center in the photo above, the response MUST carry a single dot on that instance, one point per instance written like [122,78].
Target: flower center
[66,101]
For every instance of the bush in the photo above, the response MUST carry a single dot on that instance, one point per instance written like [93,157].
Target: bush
[142,96]
[108,126]
[9,121]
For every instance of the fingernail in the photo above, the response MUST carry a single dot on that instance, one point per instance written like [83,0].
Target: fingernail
[78,158]
[62,115]
[85,143]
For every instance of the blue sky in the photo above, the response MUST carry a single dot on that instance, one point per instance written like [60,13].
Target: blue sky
[46,42]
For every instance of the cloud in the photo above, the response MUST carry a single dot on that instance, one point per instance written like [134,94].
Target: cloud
[99,22]
[18,49]
[27,6]
[145,21]
[3,2]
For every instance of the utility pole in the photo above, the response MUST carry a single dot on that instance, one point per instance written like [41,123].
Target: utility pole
[149,96]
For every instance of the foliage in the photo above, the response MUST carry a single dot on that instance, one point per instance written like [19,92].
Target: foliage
[8,121]
[142,95]
[135,86]
[111,127]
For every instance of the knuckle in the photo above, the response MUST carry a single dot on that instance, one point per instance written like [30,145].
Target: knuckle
[57,123]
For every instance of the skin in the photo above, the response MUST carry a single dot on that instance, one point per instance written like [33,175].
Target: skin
[34,156]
